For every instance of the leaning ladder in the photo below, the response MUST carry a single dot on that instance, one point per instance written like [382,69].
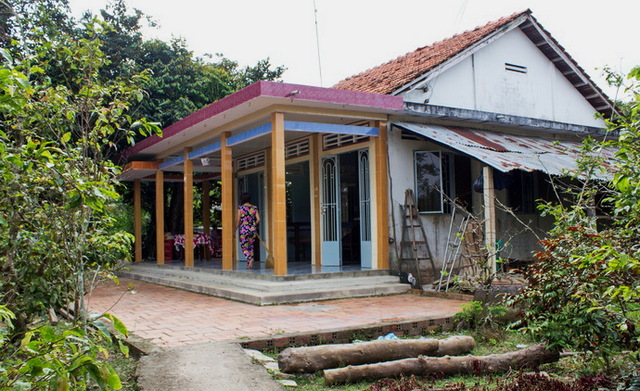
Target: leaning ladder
[414,247]
[453,251]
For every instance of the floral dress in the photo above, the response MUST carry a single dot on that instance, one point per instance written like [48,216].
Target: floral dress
[248,217]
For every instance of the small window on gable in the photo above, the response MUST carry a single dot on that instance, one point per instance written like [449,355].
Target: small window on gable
[515,68]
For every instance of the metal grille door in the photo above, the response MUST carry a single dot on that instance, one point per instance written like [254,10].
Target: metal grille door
[330,208]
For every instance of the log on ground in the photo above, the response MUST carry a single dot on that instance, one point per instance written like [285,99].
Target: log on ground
[316,358]
[529,358]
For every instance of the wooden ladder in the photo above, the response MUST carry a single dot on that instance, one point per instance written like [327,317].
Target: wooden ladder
[414,247]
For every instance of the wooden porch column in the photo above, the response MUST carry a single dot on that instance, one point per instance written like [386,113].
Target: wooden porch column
[278,201]
[160,217]
[228,215]
[382,197]
[188,209]
[137,220]
[314,173]
[206,213]
[206,207]
[489,197]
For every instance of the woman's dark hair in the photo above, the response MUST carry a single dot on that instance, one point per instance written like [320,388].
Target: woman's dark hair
[245,198]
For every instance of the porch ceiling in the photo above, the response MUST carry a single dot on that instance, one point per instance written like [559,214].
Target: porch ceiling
[507,152]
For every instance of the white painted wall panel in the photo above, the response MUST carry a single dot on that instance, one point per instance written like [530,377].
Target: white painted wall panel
[482,83]
[453,88]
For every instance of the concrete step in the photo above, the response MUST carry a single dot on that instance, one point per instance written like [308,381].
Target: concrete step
[265,290]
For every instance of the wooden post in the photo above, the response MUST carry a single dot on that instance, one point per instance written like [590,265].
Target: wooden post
[382,199]
[265,214]
[206,213]
[228,215]
[206,207]
[314,173]
[278,200]
[137,220]
[188,209]
[160,217]
[489,196]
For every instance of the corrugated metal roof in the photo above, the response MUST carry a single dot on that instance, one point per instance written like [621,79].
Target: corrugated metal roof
[507,152]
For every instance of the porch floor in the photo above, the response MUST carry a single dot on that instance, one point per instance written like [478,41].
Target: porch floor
[259,286]
[293,268]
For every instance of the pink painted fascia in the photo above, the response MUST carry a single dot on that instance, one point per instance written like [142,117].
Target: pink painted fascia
[274,90]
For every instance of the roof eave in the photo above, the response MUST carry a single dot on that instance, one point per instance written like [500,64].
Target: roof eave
[476,118]
[567,66]
[273,91]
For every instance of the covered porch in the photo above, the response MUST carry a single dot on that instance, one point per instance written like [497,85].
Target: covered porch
[313,160]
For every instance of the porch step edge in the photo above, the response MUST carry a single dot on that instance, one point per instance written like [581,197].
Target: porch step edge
[260,285]
[274,296]
[251,275]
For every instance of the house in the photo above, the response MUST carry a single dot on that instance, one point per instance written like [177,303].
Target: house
[501,109]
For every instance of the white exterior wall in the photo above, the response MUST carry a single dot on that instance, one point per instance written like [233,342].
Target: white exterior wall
[401,170]
[480,82]
[519,242]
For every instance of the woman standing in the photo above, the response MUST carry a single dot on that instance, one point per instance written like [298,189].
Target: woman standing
[247,222]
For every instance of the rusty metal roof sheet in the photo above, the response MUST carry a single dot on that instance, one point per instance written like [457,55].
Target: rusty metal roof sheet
[507,152]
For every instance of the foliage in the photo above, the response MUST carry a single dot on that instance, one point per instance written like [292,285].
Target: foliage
[57,184]
[584,290]
[517,382]
[64,357]
[475,315]
[25,21]
[180,83]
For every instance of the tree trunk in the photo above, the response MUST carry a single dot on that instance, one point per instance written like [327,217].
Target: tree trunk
[529,358]
[316,358]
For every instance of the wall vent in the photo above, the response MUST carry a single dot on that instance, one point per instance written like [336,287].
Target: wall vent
[515,68]
[338,140]
[297,148]
[251,161]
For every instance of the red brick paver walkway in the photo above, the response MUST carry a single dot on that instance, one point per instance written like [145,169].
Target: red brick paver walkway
[170,317]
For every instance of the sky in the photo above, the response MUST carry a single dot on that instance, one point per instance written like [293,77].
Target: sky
[355,35]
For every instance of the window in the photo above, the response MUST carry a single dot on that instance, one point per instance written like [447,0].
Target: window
[430,181]
[436,185]
[526,189]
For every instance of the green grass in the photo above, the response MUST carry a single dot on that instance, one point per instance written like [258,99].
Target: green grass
[488,342]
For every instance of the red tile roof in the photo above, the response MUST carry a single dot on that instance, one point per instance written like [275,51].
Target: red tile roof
[388,77]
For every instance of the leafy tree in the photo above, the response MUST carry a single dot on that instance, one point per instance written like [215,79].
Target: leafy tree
[26,21]
[60,122]
[57,186]
[180,83]
[62,358]
[584,291]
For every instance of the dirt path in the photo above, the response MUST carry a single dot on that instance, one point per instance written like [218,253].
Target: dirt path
[203,367]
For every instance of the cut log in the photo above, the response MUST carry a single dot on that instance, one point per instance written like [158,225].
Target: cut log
[316,358]
[529,358]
